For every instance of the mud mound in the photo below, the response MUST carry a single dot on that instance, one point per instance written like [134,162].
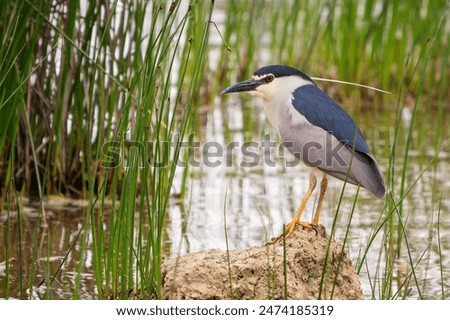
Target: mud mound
[258,272]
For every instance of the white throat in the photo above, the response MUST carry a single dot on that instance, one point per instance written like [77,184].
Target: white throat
[277,95]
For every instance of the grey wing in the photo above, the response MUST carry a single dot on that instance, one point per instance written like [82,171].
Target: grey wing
[332,142]
[322,111]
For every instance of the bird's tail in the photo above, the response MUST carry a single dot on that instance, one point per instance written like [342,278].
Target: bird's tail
[369,176]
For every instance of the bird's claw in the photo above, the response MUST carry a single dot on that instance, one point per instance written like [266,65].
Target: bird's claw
[290,227]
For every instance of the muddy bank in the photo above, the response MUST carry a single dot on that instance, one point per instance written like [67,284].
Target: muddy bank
[258,272]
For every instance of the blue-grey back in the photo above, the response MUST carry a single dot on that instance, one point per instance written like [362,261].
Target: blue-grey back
[322,111]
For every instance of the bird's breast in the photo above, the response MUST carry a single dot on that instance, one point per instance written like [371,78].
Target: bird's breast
[282,115]
[308,143]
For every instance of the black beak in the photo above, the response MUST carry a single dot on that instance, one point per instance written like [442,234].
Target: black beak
[247,85]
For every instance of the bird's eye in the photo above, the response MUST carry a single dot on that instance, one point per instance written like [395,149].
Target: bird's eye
[269,78]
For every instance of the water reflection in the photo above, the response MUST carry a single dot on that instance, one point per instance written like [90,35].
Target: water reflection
[65,229]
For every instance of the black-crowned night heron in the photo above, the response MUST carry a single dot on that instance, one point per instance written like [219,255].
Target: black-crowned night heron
[316,130]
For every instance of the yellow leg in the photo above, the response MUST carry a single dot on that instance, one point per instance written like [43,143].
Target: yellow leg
[296,221]
[323,190]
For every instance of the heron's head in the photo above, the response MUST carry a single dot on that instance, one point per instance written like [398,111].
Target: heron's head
[272,82]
